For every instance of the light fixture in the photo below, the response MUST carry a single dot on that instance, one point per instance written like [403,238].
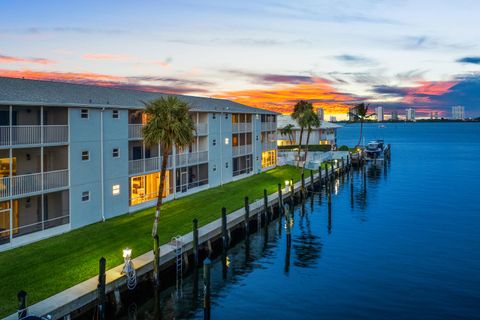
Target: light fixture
[127,253]
[287,185]
[227,140]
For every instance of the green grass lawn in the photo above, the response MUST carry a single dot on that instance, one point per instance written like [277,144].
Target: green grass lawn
[55,264]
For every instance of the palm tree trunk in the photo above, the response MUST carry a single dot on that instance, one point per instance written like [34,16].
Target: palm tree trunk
[361,133]
[306,149]
[299,145]
[161,187]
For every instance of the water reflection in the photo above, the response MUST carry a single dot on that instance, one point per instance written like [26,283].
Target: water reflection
[307,245]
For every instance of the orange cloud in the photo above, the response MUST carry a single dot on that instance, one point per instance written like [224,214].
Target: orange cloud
[282,98]
[59,76]
[106,57]
[10,59]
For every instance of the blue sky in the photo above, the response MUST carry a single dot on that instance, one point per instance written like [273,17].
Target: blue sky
[398,54]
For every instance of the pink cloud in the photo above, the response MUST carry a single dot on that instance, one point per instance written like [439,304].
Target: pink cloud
[106,57]
[11,59]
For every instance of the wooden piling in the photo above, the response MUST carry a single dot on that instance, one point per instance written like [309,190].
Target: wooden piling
[302,191]
[101,295]
[265,207]
[311,181]
[206,288]
[247,216]
[224,228]
[292,192]
[22,304]
[280,200]
[195,242]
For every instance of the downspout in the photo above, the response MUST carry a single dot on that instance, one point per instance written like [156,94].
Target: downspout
[101,165]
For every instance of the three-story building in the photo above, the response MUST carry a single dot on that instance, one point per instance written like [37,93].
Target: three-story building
[72,155]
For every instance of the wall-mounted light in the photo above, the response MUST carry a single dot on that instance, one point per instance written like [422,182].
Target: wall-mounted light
[227,140]
[287,185]
[116,189]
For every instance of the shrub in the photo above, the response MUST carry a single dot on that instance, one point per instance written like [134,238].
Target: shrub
[344,148]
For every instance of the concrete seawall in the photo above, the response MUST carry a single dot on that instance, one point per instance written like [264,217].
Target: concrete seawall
[64,303]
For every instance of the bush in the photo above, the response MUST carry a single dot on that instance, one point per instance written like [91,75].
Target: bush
[312,147]
[344,148]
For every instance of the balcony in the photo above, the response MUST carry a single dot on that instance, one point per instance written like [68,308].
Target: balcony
[202,129]
[269,145]
[193,158]
[242,150]
[242,127]
[147,165]
[135,131]
[269,126]
[32,134]
[33,183]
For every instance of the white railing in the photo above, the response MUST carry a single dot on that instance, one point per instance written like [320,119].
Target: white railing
[147,165]
[191,158]
[18,135]
[269,146]
[135,131]
[242,150]
[242,127]
[202,129]
[269,126]
[55,134]
[31,183]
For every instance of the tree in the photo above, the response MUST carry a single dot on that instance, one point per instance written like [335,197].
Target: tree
[287,131]
[310,120]
[298,115]
[168,125]
[360,113]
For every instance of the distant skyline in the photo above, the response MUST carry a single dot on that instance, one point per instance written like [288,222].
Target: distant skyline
[269,54]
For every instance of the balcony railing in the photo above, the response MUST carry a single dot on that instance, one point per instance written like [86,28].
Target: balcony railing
[186,159]
[147,165]
[242,150]
[241,127]
[202,129]
[269,126]
[25,135]
[269,146]
[135,131]
[32,183]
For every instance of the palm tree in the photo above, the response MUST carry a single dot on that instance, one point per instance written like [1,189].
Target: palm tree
[298,115]
[287,131]
[360,113]
[169,124]
[311,121]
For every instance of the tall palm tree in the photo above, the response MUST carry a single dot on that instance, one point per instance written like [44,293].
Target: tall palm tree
[169,124]
[311,121]
[360,113]
[287,131]
[298,115]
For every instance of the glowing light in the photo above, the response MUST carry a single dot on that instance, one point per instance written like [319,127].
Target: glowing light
[127,253]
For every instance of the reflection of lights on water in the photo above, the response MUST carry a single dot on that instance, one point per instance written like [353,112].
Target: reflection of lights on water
[286,225]
[337,186]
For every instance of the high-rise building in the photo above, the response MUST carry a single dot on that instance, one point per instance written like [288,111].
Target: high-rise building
[379,113]
[435,115]
[82,157]
[352,112]
[458,112]
[333,119]
[410,114]
[321,114]
[394,115]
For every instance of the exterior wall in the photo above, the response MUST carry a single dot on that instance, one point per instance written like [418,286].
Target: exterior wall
[220,154]
[257,144]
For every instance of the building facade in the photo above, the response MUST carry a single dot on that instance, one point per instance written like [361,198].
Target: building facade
[379,113]
[394,116]
[72,155]
[326,134]
[458,113]
[410,115]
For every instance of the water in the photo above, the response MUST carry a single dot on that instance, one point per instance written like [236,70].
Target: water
[407,247]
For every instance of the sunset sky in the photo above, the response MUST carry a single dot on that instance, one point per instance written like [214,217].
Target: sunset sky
[269,54]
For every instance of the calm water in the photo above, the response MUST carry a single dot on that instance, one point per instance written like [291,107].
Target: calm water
[406,247]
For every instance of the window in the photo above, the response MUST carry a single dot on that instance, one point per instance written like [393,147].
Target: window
[227,140]
[213,116]
[214,142]
[116,153]
[85,156]
[214,168]
[84,113]
[115,114]
[116,189]
[226,115]
[85,195]
[226,164]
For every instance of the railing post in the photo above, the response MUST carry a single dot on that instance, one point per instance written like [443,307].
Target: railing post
[311,181]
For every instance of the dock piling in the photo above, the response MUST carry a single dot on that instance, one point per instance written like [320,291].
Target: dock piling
[312,186]
[22,304]
[224,228]
[265,207]
[206,288]
[280,200]
[195,242]
[101,295]
[156,260]
[247,216]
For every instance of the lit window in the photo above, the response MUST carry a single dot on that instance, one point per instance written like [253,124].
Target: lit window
[85,195]
[84,113]
[116,189]
[116,152]
[85,156]
[115,114]
[227,140]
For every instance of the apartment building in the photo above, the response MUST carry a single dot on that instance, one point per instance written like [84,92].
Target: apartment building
[326,134]
[72,155]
